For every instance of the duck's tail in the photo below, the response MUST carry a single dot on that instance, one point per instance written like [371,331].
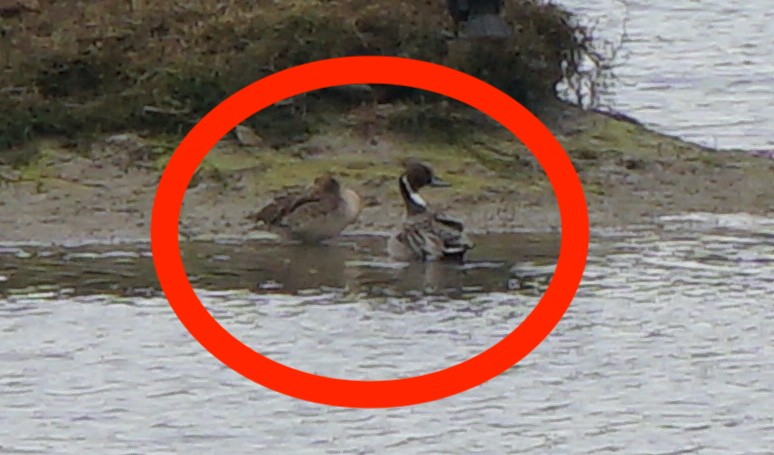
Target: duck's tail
[488,25]
[273,212]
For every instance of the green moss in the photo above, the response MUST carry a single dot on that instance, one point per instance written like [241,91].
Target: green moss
[41,166]
[613,138]
[594,188]
[31,173]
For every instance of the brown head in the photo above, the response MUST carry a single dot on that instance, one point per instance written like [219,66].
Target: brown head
[326,183]
[419,174]
[416,176]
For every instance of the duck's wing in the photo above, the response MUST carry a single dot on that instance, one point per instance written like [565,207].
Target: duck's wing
[311,208]
[276,212]
[452,232]
[418,236]
[448,222]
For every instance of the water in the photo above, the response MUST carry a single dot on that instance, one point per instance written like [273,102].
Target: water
[702,70]
[666,349]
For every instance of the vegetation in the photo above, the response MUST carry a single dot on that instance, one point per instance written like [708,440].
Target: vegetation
[74,68]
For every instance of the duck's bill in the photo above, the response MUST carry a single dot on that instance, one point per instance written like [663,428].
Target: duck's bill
[438,182]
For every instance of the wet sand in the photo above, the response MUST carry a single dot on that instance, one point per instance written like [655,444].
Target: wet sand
[630,176]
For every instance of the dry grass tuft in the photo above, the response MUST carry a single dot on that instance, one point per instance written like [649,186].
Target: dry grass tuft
[72,67]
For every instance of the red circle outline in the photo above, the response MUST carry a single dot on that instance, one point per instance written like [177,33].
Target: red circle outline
[369,70]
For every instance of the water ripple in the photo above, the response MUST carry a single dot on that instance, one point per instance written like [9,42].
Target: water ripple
[666,349]
[698,70]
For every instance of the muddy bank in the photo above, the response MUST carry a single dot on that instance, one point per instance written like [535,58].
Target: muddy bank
[630,175]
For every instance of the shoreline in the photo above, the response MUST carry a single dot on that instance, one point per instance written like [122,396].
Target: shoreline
[630,175]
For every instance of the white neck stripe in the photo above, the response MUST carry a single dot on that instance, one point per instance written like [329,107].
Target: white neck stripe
[415,198]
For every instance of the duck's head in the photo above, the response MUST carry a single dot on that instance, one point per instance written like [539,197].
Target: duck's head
[326,183]
[419,174]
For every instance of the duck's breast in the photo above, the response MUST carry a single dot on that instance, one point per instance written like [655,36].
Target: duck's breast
[352,205]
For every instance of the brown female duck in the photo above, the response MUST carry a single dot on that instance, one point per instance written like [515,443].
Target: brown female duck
[319,212]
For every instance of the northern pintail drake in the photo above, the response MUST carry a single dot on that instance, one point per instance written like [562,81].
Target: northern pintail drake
[319,212]
[425,235]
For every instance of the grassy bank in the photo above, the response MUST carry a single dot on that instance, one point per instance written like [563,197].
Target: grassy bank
[78,69]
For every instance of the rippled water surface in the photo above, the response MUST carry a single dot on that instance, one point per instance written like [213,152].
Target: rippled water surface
[667,348]
[702,69]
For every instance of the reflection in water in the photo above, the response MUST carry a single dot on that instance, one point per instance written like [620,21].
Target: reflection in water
[666,348]
[360,267]
[356,265]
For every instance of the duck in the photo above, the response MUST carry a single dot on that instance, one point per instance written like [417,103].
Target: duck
[317,213]
[425,235]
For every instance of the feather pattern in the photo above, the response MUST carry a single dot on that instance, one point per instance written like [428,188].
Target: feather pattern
[426,235]
[318,212]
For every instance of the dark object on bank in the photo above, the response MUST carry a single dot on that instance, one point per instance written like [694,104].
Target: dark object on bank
[482,18]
